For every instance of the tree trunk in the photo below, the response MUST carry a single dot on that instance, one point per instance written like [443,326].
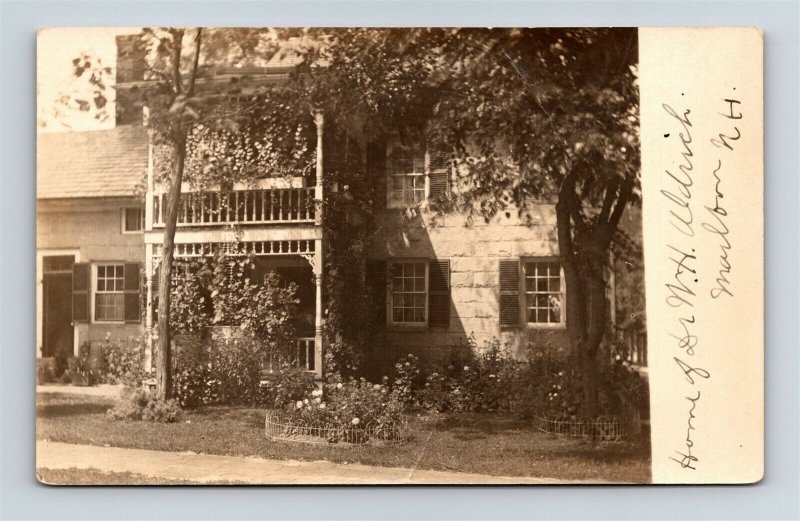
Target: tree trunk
[164,358]
[583,250]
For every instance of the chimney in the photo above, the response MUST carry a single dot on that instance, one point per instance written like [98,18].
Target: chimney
[130,58]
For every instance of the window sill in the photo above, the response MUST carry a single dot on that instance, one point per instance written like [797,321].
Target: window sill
[407,327]
[549,327]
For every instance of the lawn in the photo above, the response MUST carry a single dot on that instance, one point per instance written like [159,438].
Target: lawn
[479,443]
[76,476]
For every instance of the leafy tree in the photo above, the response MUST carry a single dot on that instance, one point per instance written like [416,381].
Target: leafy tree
[529,114]
[203,131]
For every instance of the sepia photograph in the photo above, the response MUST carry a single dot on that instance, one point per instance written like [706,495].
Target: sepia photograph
[340,256]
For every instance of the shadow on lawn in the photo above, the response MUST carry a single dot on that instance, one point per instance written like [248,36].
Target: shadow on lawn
[477,427]
[74,408]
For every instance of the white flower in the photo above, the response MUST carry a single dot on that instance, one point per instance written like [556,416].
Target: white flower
[377,387]
[316,392]
[466,368]
[305,401]
[355,421]
[322,406]
[491,376]
[299,404]
[618,358]
[561,373]
[317,400]
[339,385]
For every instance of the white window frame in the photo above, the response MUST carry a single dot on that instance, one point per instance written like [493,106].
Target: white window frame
[524,293]
[94,292]
[124,220]
[390,297]
[391,201]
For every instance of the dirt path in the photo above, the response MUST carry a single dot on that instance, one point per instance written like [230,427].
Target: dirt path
[203,468]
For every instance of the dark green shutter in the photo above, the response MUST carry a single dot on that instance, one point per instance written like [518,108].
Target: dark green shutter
[439,169]
[439,293]
[509,293]
[375,276]
[80,292]
[132,274]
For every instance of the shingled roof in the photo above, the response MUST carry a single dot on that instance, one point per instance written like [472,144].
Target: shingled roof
[100,163]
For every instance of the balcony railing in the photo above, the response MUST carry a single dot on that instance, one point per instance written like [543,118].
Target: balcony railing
[261,206]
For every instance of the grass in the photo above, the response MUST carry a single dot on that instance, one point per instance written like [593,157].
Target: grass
[76,476]
[478,443]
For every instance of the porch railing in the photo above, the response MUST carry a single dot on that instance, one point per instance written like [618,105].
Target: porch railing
[300,356]
[634,339]
[260,206]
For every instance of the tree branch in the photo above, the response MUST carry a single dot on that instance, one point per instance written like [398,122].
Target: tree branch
[177,44]
[622,202]
[611,192]
[195,63]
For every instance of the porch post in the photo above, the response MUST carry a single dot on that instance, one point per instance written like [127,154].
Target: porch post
[148,247]
[319,121]
[148,315]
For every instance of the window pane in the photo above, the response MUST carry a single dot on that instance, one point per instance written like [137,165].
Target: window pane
[555,285]
[541,284]
[555,316]
[541,316]
[419,315]
[397,314]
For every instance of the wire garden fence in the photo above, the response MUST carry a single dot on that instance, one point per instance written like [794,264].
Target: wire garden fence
[280,426]
[602,428]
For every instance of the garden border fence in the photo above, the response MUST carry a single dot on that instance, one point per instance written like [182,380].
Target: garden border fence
[602,428]
[277,425]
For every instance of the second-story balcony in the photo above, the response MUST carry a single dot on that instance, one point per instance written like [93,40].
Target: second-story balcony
[261,206]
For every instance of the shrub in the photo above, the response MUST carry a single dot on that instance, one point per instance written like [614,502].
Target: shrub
[123,362]
[218,372]
[79,368]
[407,380]
[353,404]
[137,403]
[287,387]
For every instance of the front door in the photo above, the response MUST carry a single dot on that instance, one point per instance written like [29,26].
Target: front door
[57,339]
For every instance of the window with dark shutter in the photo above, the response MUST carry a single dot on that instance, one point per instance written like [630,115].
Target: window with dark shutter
[509,293]
[376,284]
[439,293]
[439,169]
[131,288]
[80,292]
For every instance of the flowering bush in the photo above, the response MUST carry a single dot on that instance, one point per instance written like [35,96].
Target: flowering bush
[407,380]
[137,403]
[123,362]
[287,387]
[218,372]
[355,404]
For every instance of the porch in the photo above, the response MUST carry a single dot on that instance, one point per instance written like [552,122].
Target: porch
[278,221]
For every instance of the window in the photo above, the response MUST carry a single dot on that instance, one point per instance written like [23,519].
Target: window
[543,293]
[407,177]
[132,220]
[109,293]
[409,292]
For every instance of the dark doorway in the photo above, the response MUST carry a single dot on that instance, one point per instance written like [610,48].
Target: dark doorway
[57,338]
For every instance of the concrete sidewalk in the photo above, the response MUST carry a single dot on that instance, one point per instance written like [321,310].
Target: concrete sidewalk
[202,468]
